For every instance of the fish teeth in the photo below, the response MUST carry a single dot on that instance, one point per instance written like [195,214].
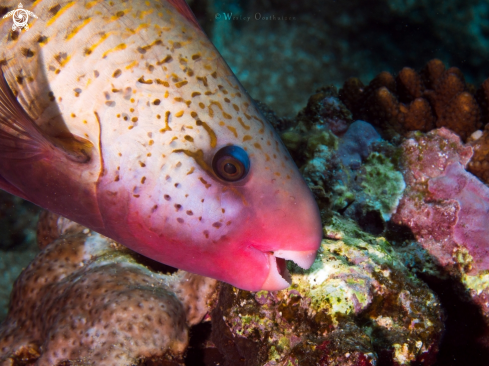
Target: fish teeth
[303,259]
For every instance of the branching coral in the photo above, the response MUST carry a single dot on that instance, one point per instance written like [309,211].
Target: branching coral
[89,301]
[435,97]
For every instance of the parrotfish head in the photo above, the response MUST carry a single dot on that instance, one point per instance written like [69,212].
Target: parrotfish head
[233,209]
[201,181]
[178,163]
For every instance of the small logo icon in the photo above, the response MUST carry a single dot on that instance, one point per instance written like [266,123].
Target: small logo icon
[20,17]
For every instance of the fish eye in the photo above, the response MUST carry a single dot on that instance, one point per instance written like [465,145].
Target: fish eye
[231,163]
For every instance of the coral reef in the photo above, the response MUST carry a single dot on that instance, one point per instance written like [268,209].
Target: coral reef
[354,172]
[447,208]
[479,164]
[435,97]
[357,303]
[89,301]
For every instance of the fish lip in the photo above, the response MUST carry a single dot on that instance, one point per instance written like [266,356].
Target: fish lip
[303,259]
[279,277]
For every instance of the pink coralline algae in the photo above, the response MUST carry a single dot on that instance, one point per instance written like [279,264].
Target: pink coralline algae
[86,300]
[447,208]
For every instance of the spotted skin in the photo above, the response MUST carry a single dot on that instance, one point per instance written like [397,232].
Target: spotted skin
[141,82]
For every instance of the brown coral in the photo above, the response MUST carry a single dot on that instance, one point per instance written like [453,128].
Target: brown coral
[86,300]
[419,101]
[479,164]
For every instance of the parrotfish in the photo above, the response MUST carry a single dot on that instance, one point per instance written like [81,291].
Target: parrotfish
[123,117]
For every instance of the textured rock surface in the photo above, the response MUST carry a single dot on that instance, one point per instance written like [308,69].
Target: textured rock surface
[357,303]
[87,300]
[447,209]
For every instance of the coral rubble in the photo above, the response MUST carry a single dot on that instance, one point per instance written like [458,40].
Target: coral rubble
[355,304]
[88,301]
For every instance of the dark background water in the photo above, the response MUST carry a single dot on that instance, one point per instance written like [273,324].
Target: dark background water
[281,62]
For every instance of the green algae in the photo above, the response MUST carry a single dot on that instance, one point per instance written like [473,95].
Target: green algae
[383,184]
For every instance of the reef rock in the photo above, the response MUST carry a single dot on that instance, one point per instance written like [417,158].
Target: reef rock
[355,306]
[447,209]
[86,300]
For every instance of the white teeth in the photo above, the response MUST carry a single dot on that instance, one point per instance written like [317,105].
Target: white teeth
[275,280]
[302,259]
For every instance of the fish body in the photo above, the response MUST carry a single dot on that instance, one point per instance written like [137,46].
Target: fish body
[122,116]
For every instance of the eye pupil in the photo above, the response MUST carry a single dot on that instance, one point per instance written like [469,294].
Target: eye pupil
[231,163]
[230,168]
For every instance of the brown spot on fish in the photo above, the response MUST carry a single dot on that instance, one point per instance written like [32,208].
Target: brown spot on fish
[158,116]
[177,207]
[142,164]
[227,100]
[161,82]
[236,108]
[97,74]
[110,103]
[201,105]
[167,197]
[168,58]
[246,138]
[54,10]
[13,35]
[155,207]
[206,234]
[226,115]
[167,122]
[204,182]
[214,75]
[134,119]
[203,80]
[143,179]
[19,79]
[156,102]
[210,131]
[62,58]
[181,83]
[136,195]
[246,127]
[217,225]
[189,138]
[257,145]
[177,45]
[142,81]
[196,56]
[117,73]
[190,72]
[189,212]
[26,52]
[191,171]
[233,130]
[195,94]
[180,220]
[3,62]
[179,114]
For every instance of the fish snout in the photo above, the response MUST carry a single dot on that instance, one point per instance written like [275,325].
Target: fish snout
[293,232]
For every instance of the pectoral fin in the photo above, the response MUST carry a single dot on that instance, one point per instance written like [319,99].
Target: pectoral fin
[21,137]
